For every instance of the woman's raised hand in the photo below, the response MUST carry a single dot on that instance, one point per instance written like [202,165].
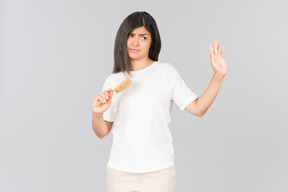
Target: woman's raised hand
[105,102]
[218,62]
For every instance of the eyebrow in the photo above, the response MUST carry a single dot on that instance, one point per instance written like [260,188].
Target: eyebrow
[140,34]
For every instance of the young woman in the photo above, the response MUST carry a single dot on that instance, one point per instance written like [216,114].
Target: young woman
[142,153]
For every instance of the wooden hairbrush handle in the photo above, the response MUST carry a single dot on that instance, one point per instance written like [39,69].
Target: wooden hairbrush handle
[110,93]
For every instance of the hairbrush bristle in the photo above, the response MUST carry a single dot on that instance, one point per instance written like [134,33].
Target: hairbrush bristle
[123,85]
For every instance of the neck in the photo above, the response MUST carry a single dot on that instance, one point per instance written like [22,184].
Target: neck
[140,64]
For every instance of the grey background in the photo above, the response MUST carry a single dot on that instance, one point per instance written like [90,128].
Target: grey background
[55,56]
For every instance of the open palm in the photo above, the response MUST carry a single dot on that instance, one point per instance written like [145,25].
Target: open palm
[218,62]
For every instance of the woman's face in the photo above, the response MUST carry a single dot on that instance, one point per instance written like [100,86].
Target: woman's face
[138,44]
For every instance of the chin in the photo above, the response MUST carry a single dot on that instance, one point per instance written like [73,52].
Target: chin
[133,57]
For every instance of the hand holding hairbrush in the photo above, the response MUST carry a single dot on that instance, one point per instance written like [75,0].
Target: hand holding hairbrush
[119,88]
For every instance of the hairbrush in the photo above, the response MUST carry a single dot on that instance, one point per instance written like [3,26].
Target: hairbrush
[120,87]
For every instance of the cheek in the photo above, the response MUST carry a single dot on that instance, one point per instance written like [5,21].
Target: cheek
[129,41]
[148,45]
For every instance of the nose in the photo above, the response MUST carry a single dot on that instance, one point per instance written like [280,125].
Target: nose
[135,41]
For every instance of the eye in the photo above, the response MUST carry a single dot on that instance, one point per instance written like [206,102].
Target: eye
[143,37]
[130,35]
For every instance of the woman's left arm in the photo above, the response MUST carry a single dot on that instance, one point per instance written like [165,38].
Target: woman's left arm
[200,105]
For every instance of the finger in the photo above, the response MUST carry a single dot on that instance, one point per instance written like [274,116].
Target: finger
[106,95]
[216,47]
[211,49]
[95,100]
[222,53]
[103,98]
[219,50]
[212,54]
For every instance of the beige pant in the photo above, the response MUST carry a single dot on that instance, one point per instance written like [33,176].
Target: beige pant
[163,180]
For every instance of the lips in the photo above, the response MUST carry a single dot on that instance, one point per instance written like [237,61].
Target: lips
[134,50]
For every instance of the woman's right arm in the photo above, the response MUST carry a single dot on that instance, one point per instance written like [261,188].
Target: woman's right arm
[100,126]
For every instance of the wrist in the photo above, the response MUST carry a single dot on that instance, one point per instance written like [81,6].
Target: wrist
[97,115]
[219,75]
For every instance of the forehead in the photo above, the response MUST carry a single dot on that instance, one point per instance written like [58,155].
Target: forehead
[141,30]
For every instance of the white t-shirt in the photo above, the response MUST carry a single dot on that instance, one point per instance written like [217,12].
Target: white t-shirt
[142,141]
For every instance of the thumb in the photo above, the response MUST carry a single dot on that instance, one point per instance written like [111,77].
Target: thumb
[211,51]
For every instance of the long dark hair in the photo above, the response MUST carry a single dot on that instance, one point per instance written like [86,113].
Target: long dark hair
[132,21]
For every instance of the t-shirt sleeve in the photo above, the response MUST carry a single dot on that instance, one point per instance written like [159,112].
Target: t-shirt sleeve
[181,94]
[109,114]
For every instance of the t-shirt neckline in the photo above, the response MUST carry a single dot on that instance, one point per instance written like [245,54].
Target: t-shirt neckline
[144,69]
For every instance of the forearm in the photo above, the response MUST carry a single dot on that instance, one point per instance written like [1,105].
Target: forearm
[99,125]
[207,98]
